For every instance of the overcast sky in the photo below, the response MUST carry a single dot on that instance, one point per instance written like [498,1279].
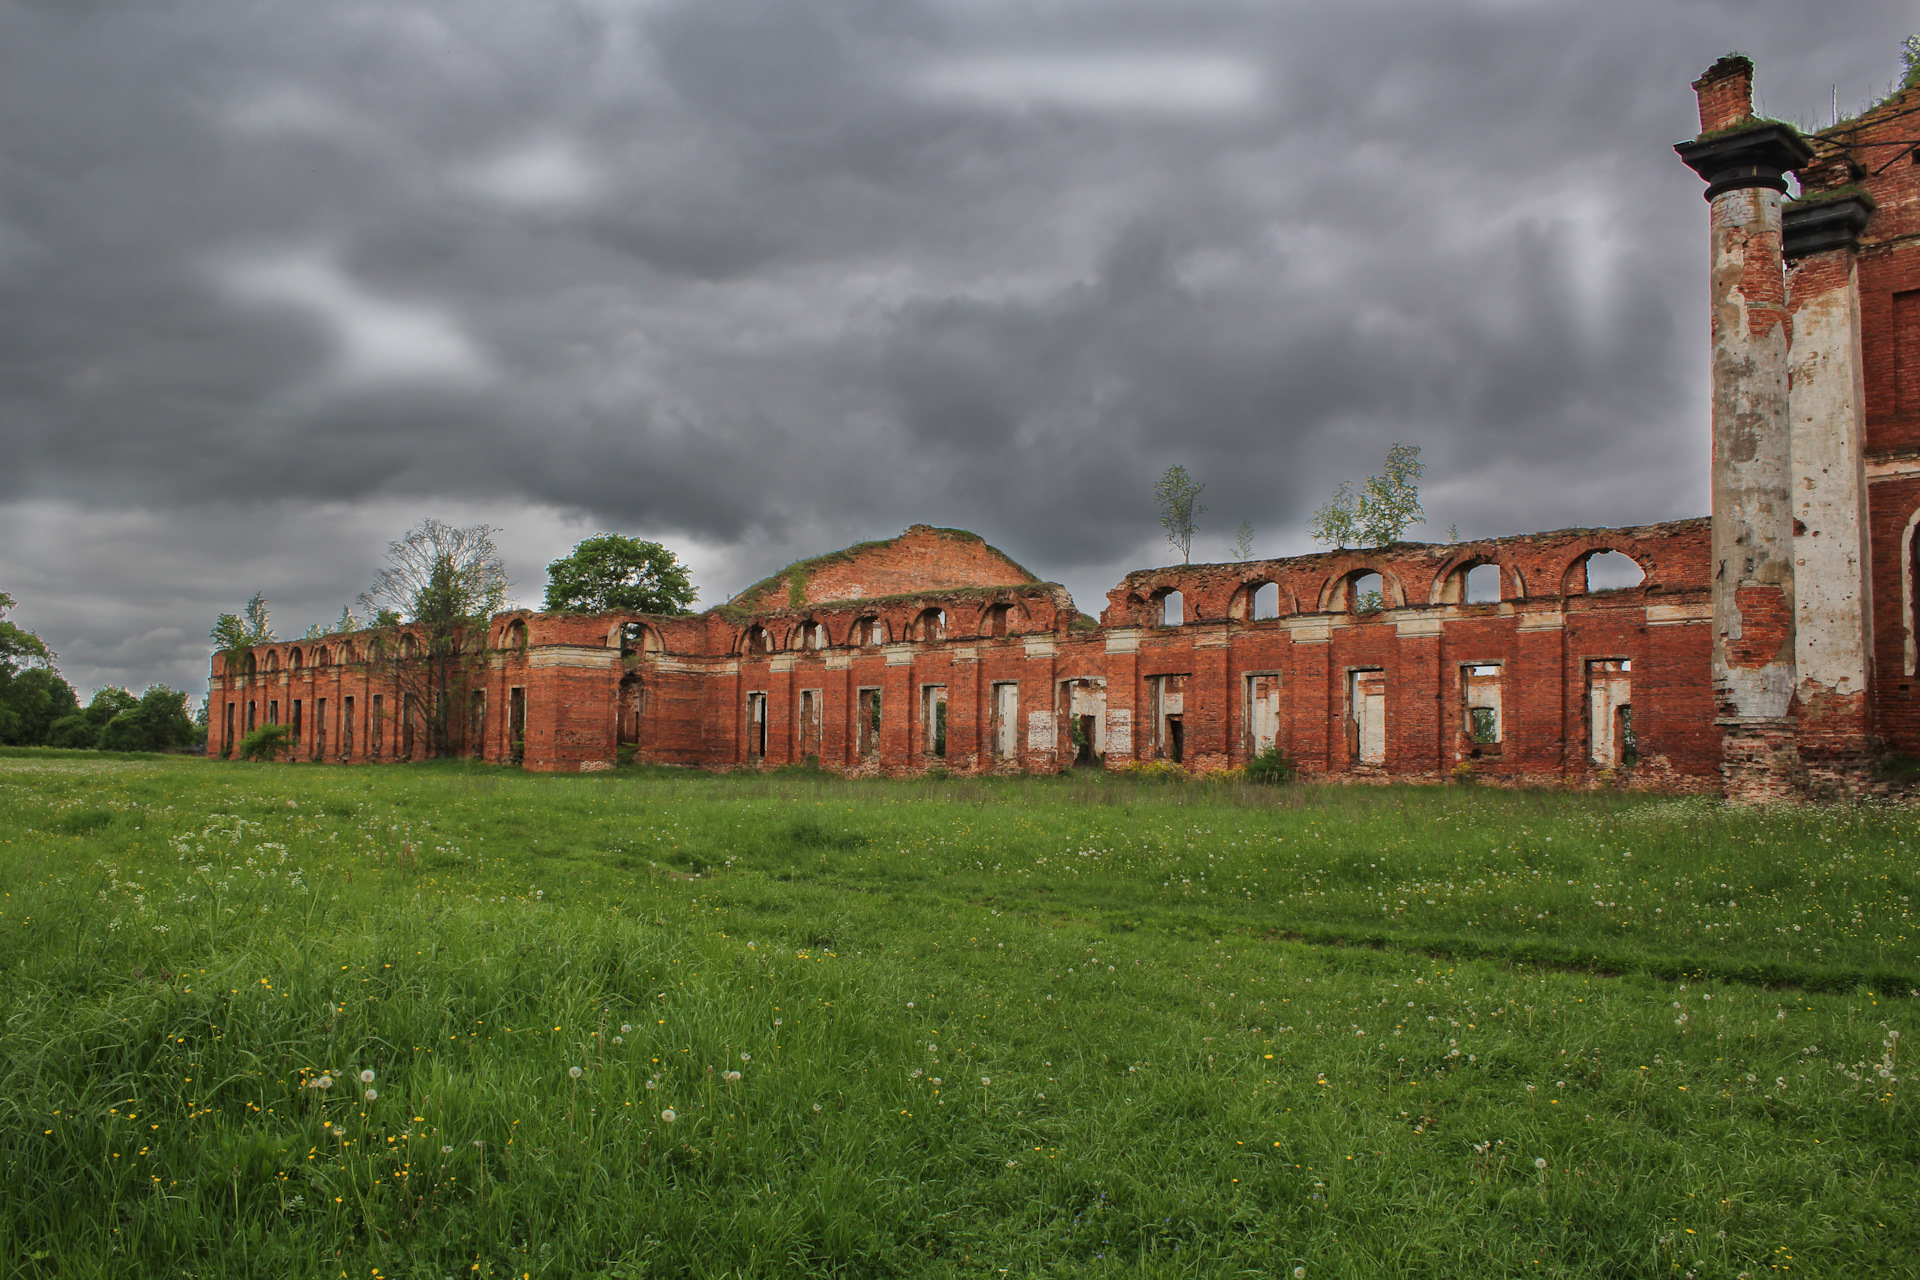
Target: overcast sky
[759,278]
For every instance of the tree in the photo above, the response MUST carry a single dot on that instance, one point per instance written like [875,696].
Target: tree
[1243,541]
[611,572]
[1178,498]
[158,722]
[430,606]
[1386,505]
[1335,524]
[32,693]
[82,729]
[235,635]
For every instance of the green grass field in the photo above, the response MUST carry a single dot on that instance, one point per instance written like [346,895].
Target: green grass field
[658,1024]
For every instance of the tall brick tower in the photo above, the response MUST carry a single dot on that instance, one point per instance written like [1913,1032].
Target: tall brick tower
[1743,161]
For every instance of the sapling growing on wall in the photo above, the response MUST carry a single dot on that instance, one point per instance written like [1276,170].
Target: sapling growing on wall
[1243,541]
[1385,505]
[1178,497]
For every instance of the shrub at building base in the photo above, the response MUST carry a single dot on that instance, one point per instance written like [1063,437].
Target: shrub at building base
[267,743]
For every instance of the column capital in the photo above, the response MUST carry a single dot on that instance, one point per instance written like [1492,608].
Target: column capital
[1814,225]
[1756,157]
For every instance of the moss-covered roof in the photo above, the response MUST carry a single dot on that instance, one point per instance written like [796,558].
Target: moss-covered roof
[796,574]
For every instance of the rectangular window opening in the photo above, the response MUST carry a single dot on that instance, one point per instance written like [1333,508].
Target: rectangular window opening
[1482,709]
[1085,704]
[1167,696]
[476,722]
[346,727]
[319,728]
[517,725]
[756,725]
[933,720]
[1263,711]
[1004,724]
[1367,716]
[867,724]
[377,728]
[809,723]
[1610,736]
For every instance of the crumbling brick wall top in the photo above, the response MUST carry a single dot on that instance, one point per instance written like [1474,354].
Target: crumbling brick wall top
[922,559]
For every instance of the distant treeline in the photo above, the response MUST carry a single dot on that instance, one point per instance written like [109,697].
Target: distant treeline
[38,708]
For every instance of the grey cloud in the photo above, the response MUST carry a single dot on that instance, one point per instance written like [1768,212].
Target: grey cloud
[769,277]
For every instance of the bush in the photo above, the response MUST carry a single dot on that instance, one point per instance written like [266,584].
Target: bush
[265,743]
[1153,771]
[74,731]
[1272,767]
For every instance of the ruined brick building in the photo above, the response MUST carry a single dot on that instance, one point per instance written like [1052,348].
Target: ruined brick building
[1767,648]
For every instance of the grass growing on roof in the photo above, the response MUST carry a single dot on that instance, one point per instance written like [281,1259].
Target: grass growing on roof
[1051,1026]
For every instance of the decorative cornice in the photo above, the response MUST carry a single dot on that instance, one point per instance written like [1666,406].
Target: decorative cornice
[1757,157]
[1829,224]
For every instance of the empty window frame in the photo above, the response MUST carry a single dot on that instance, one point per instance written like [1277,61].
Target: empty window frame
[869,631]
[319,728]
[866,727]
[1003,725]
[516,724]
[1169,609]
[1482,709]
[1266,602]
[1263,711]
[931,626]
[1481,585]
[995,623]
[273,711]
[409,712]
[1366,593]
[226,738]
[1167,699]
[1085,703]
[476,744]
[253,711]
[1367,715]
[807,725]
[756,725]
[631,710]
[933,721]
[377,728]
[1610,737]
[346,727]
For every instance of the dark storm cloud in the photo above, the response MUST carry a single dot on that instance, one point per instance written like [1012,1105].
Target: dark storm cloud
[275,279]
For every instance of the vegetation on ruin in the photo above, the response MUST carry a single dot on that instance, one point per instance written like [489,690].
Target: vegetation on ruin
[613,573]
[1381,511]
[449,1019]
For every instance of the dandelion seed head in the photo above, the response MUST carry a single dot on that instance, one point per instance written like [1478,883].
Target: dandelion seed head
[366,1077]
[668,1115]
[573,1072]
[446,1151]
[1540,1162]
[816,1106]
[625,1027]
[372,1094]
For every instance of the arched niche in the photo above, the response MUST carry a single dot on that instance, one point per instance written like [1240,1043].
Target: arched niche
[869,630]
[323,657]
[1602,569]
[1256,601]
[293,658]
[273,661]
[929,625]
[756,640]
[811,636]
[1479,580]
[1363,589]
[515,636]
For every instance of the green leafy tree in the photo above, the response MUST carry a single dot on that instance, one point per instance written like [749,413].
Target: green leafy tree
[1386,504]
[430,606]
[1178,497]
[82,729]
[611,572]
[32,693]
[158,722]
[235,634]
[1336,524]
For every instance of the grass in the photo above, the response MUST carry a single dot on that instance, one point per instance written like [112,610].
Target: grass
[1076,1026]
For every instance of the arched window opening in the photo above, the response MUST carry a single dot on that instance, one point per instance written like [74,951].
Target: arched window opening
[869,630]
[996,620]
[249,665]
[1482,585]
[273,661]
[635,637]
[517,635]
[322,657]
[758,641]
[1266,601]
[1366,593]
[812,636]
[1169,609]
[293,659]
[931,625]
[1605,571]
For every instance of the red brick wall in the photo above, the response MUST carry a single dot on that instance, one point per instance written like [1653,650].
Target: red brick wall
[922,559]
